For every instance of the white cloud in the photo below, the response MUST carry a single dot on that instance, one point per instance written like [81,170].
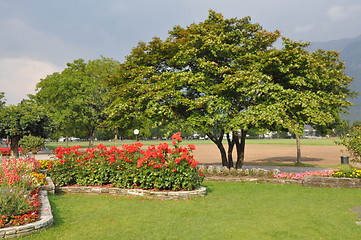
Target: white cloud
[337,13]
[304,29]
[19,76]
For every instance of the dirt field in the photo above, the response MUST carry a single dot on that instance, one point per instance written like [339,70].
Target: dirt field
[267,153]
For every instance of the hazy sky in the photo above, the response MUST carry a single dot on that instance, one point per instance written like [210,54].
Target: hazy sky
[38,37]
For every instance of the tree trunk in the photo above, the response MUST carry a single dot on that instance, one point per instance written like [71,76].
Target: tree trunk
[231,143]
[92,136]
[14,146]
[227,157]
[298,143]
[241,146]
[218,142]
[67,141]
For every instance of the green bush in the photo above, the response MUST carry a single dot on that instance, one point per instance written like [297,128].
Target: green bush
[352,142]
[157,167]
[32,144]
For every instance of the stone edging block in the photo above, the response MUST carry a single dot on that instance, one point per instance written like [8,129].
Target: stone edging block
[45,220]
[331,182]
[163,195]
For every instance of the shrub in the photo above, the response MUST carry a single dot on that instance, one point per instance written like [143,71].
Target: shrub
[352,142]
[157,167]
[32,144]
[19,201]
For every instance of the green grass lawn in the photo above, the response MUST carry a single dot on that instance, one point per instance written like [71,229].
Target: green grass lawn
[229,211]
[323,141]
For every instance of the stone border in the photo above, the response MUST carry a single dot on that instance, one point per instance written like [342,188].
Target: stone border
[162,195]
[331,182]
[45,220]
[253,180]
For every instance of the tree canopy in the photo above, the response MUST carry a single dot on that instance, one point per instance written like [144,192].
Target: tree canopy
[223,77]
[76,97]
[2,100]
[25,118]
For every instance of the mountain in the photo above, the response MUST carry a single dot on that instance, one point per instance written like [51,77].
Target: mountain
[350,53]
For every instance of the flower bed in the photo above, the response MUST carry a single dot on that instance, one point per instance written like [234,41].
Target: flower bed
[45,220]
[352,173]
[302,175]
[158,167]
[7,151]
[19,198]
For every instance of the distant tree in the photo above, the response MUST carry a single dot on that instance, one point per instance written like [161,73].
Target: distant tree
[26,118]
[2,100]
[341,128]
[76,97]
[356,123]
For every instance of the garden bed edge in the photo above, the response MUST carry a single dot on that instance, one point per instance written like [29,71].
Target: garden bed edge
[45,220]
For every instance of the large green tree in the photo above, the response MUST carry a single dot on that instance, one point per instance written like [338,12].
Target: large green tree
[187,79]
[223,77]
[25,118]
[76,97]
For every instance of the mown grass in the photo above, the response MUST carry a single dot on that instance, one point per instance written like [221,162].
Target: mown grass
[229,211]
[292,142]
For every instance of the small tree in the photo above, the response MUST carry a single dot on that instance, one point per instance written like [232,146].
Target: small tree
[32,144]
[23,119]
[301,88]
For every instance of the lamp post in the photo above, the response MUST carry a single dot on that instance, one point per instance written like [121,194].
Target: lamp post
[136,132]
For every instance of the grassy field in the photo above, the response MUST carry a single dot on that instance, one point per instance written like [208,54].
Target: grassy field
[320,142]
[229,211]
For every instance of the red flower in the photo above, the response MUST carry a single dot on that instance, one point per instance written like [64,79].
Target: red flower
[158,166]
[163,146]
[177,136]
[191,147]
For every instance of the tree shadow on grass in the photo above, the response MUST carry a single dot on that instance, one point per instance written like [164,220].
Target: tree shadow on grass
[274,161]
[283,160]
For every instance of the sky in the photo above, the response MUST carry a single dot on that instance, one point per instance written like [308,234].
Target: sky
[38,37]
